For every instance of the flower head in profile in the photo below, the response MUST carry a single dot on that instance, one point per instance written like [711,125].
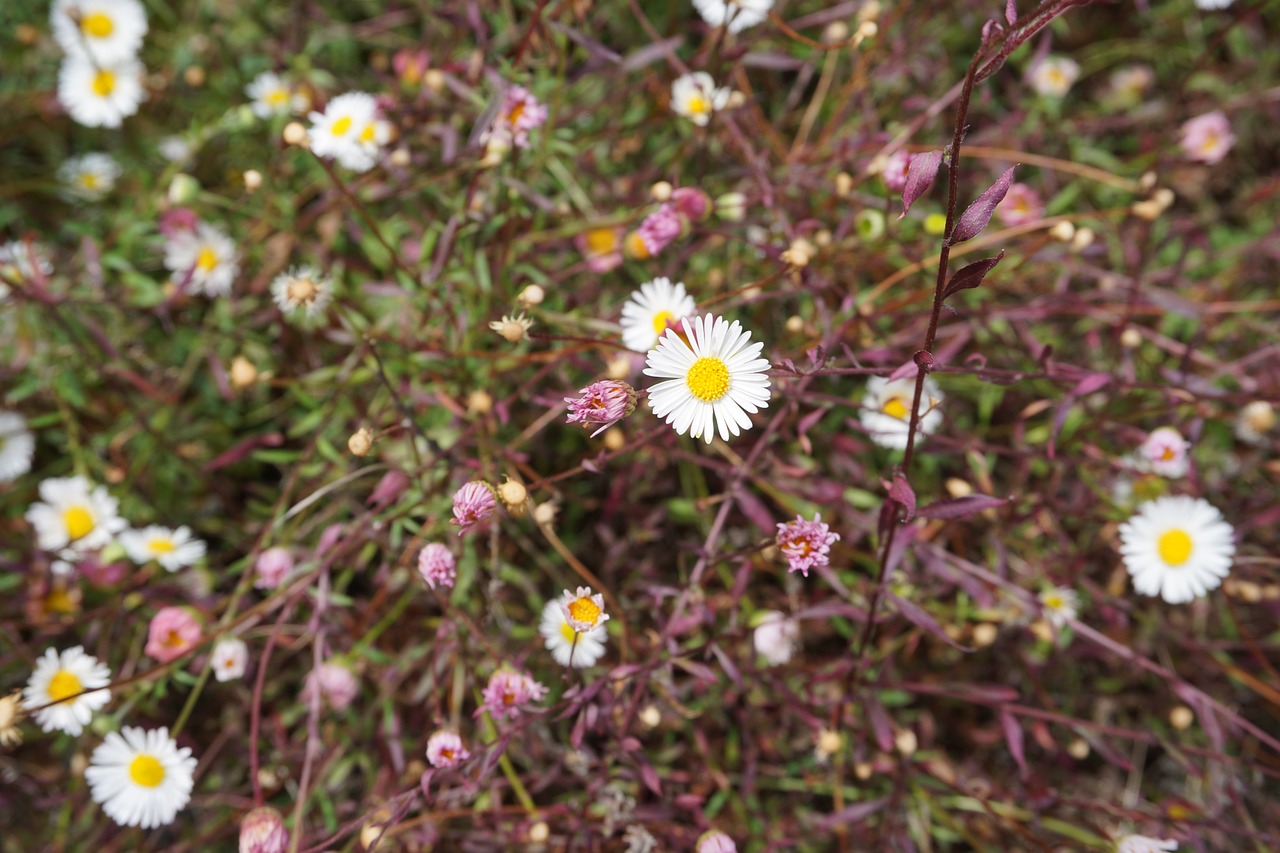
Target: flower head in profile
[737,14]
[350,131]
[1020,204]
[473,504]
[1255,420]
[100,30]
[1165,453]
[302,292]
[17,446]
[1144,843]
[605,402]
[11,714]
[263,831]
[895,170]
[89,176]
[64,678]
[74,516]
[886,407]
[805,544]
[1059,605]
[203,259]
[659,228]
[651,310]
[230,658]
[272,567]
[1207,138]
[695,96]
[1054,75]
[272,95]
[715,841]
[601,248]
[100,95]
[141,778]
[520,113]
[508,692]
[173,549]
[437,566]
[1179,548]
[19,262]
[335,682]
[569,646]
[775,637]
[173,632]
[711,383]
[445,749]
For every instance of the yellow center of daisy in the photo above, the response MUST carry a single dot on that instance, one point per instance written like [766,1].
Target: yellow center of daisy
[206,260]
[146,770]
[78,521]
[59,600]
[584,610]
[636,246]
[277,97]
[302,291]
[1053,601]
[602,240]
[895,408]
[174,640]
[104,83]
[341,126]
[1174,546]
[1056,77]
[708,379]
[367,134]
[89,181]
[699,104]
[660,321]
[516,112]
[161,546]
[97,25]
[64,684]
[1167,454]
[567,631]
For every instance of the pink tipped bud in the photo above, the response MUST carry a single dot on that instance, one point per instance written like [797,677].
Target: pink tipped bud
[692,202]
[473,504]
[659,228]
[605,402]
[272,567]
[262,831]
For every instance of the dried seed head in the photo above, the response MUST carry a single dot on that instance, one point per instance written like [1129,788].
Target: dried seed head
[513,494]
[514,329]
[360,442]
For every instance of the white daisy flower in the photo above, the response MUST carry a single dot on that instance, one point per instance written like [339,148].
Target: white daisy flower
[710,383]
[141,778]
[740,14]
[90,176]
[1059,604]
[1145,844]
[696,97]
[1054,75]
[349,131]
[1177,547]
[175,149]
[204,258]
[16,263]
[173,549]
[230,659]
[775,637]
[567,646]
[648,311]
[100,95]
[302,290]
[74,516]
[17,446]
[104,30]
[1255,420]
[57,678]
[273,96]
[886,407]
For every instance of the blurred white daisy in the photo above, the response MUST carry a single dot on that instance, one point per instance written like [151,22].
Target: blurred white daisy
[739,14]
[1255,420]
[350,131]
[886,407]
[173,549]
[1059,604]
[649,310]
[1213,5]
[204,258]
[17,446]
[57,678]
[272,95]
[74,516]
[567,646]
[302,290]
[100,95]
[104,30]
[89,176]
[1165,453]
[1053,76]
[141,778]
[710,383]
[775,637]
[16,263]
[229,659]
[695,96]
[1177,547]
[1145,844]
[175,149]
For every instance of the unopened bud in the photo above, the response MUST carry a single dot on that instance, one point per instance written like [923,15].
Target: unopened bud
[1078,749]
[360,442]
[252,179]
[1082,239]
[661,191]
[1181,717]
[513,329]
[737,100]
[1063,231]
[1147,181]
[800,252]
[867,29]
[194,76]
[243,373]
[295,133]
[401,158]
[532,295]
[836,32]
[906,742]
[795,324]
[731,207]
[26,34]
[183,188]
[544,514]
[1130,338]
[513,493]
[372,833]
[869,11]
[984,634]
[433,79]
[935,224]
[539,833]
[829,742]
[614,439]
[650,716]
[958,488]
[262,831]
[479,402]
[844,184]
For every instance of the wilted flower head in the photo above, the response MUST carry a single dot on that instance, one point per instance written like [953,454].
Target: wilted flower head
[302,290]
[715,841]
[337,685]
[1207,138]
[895,170]
[262,831]
[1165,452]
[605,402]
[437,566]
[805,543]
[1020,204]
[445,749]
[272,567]
[1054,75]
[173,632]
[519,114]
[473,504]
[1256,419]
[659,228]
[601,248]
[775,637]
[508,692]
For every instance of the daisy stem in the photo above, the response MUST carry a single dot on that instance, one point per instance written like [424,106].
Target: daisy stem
[509,770]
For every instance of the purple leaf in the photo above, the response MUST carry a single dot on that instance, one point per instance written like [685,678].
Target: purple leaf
[1011,11]
[919,617]
[977,215]
[920,176]
[900,490]
[1013,737]
[727,665]
[852,814]
[650,778]
[971,276]
[1089,384]
[880,724]
[953,508]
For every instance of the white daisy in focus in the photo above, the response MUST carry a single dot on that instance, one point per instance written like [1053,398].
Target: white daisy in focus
[105,30]
[775,637]
[696,97]
[1059,604]
[1255,420]
[57,678]
[100,95]
[740,14]
[1177,547]
[349,131]
[203,258]
[302,291]
[1053,76]
[141,778]
[229,659]
[74,516]
[173,549]
[886,407]
[272,95]
[17,446]
[712,382]
[567,646]
[90,176]
[17,265]
[651,309]
[1145,844]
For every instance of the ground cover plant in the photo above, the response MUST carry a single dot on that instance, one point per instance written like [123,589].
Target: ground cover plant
[570,425]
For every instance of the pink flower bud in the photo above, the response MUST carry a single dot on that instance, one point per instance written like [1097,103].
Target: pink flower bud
[172,633]
[262,831]
[272,567]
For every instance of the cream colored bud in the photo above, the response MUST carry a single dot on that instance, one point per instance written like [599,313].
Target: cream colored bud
[1063,231]
[360,442]
[799,253]
[1145,209]
[479,402]
[295,133]
[836,32]
[1147,181]
[1078,749]
[906,742]
[867,30]
[795,324]
[737,100]
[243,373]
[194,76]
[513,493]
[539,833]
[829,742]
[401,158]
[650,716]
[252,179]
[844,183]
[1163,197]
[373,832]
[614,439]
[1181,717]
[1258,416]
[1041,631]
[661,191]
[545,513]
[1082,239]
[532,295]
[869,11]
[984,634]
[958,488]
[863,770]
[1130,338]
[618,368]
[514,329]
[433,79]
[822,239]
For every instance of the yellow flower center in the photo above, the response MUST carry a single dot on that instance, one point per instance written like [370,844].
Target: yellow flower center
[341,126]
[566,631]
[660,321]
[636,247]
[584,610]
[97,25]
[161,546]
[78,521]
[1167,454]
[602,240]
[367,134]
[1053,601]
[302,291]
[699,104]
[104,83]
[174,640]
[89,181]
[1056,77]
[59,600]
[206,260]
[64,684]
[516,112]
[708,379]
[1211,141]
[277,97]
[1174,546]
[446,754]
[146,770]
[895,408]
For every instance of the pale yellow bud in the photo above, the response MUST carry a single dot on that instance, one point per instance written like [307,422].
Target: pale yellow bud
[243,373]
[1082,239]
[800,252]
[795,324]
[252,179]
[737,100]
[869,11]
[539,833]
[26,34]
[401,158]
[545,513]
[829,742]
[958,488]
[863,770]
[295,133]
[1063,231]
[984,634]
[194,76]
[618,368]
[514,329]
[1078,749]
[868,29]
[360,442]
[661,191]
[1130,338]
[433,79]
[836,32]
[906,742]
[844,183]
[513,493]
[1147,181]
[531,296]
[650,716]
[822,239]
[1181,717]
[614,439]
[479,402]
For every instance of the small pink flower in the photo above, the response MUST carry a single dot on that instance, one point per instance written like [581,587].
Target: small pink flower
[508,692]
[715,841]
[1020,204]
[99,573]
[895,170]
[520,113]
[1207,138]
[272,567]
[437,566]
[659,228]
[692,203]
[472,504]
[601,248]
[177,220]
[262,831]
[605,402]
[173,632]
[445,749]
[805,543]
[1165,452]
[230,659]
[337,685]
[410,65]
